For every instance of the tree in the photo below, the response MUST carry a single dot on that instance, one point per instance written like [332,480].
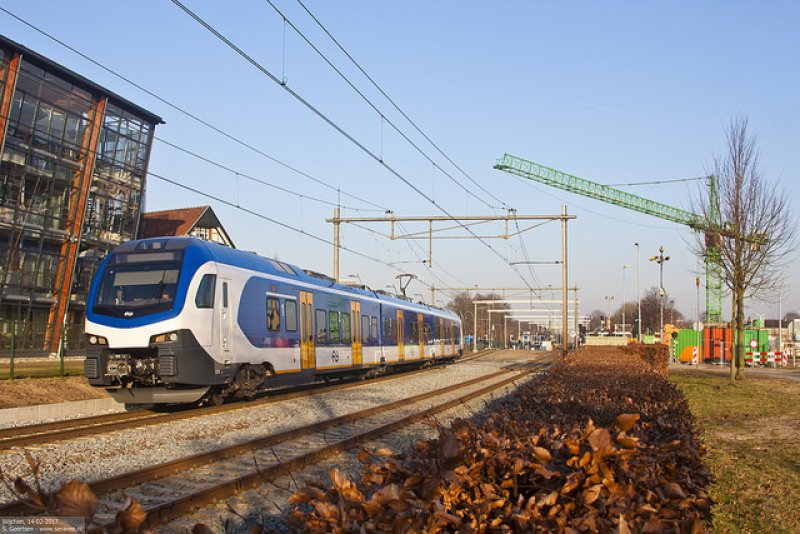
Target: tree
[651,310]
[752,226]
[463,306]
[596,320]
[788,317]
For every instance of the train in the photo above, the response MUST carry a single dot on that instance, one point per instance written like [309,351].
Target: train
[180,320]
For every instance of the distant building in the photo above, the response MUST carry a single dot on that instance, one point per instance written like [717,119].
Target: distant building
[199,222]
[72,174]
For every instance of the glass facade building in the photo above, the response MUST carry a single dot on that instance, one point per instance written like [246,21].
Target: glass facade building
[72,179]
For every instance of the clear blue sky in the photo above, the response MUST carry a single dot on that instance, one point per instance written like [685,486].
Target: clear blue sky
[614,92]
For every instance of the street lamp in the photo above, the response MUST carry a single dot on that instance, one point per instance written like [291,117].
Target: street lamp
[660,259]
[638,294]
[609,298]
[625,266]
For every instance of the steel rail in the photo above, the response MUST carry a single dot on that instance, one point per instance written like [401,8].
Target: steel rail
[165,512]
[72,428]
[24,507]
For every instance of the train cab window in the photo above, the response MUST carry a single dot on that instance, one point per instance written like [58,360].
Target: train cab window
[374,329]
[322,327]
[273,314]
[205,291]
[333,327]
[291,315]
[346,334]
[365,328]
[426,332]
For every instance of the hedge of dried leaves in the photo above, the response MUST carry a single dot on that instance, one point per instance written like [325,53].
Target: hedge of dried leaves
[601,443]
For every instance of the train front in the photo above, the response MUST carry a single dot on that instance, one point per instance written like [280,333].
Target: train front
[142,337]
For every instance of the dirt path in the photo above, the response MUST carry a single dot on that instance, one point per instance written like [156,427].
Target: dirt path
[29,391]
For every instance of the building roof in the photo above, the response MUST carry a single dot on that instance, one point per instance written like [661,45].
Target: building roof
[180,222]
[84,83]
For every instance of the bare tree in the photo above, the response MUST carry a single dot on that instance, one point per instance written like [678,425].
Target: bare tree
[752,226]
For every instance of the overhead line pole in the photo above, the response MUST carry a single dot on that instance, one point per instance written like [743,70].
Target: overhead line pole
[564,296]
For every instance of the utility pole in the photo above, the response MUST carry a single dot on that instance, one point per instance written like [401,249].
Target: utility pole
[624,328]
[609,298]
[660,259]
[564,296]
[336,224]
[638,295]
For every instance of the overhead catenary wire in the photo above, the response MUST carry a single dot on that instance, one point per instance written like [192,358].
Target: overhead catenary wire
[258,180]
[394,104]
[273,221]
[187,113]
[335,126]
[383,117]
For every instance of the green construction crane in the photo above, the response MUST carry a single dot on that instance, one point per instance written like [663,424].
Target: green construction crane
[711,226]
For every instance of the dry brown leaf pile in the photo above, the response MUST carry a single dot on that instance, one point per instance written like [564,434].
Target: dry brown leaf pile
[602,443]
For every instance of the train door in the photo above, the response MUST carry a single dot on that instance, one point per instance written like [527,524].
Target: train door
[453,337]
[355,314]
[401,337]
[421,335]
[307,356]
[225,318]
[441,336]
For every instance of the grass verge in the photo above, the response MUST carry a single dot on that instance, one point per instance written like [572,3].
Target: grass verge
[40,368]
[752,432]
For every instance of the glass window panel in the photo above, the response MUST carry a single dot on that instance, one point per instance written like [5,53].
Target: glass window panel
[346,333]
[322,327]
[291,315]
[273,314]
[364,328]
[333,327]
[374,329]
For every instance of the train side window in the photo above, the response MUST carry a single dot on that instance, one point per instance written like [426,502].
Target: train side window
[413,333]
[291,315]
[333,327]
[273,314]
[205,291]
[365,328]
[346,333]
[374,329]
[387,328]
[322,327]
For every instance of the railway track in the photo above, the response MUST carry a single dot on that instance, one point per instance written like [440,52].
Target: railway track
[173,489]
[38,434]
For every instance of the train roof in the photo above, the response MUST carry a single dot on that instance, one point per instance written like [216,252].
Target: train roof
[251,260]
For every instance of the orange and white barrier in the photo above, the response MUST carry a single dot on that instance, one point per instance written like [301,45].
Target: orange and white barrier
[764,358]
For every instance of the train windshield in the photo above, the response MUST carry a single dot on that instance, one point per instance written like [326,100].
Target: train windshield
[139,284]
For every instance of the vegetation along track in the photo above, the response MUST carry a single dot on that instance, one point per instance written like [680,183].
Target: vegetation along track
[38,434]
[173,489]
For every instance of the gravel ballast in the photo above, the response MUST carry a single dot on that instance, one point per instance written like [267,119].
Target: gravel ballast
[98,457]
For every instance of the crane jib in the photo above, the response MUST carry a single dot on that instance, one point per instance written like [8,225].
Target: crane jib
[567,182]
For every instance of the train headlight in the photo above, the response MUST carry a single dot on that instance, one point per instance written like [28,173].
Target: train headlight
[97,340]
[169,337]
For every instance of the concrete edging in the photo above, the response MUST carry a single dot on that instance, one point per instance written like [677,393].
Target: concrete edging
[59,410]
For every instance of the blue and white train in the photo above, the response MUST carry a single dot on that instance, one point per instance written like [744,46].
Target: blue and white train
[181,320]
